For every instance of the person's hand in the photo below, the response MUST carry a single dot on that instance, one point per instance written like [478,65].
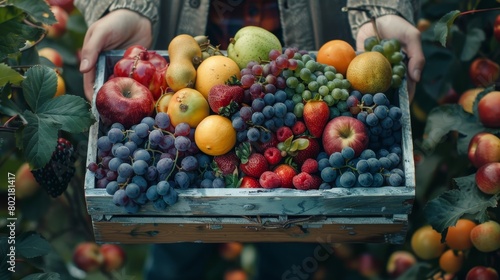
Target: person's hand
[117,30]
[393,26]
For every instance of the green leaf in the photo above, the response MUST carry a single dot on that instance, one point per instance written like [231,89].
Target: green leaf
[10,12]
[232,180]
[39,86]
[302,143]
[9,75]
[442,27]
[39,10]
[446,118]
[473,40]
[7,106]
[444,210]
[31,244]
[15,33]
[43,276]
[71,111]
[39,139]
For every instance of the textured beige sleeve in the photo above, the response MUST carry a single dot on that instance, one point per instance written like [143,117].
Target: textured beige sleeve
[360,11]
[92,10]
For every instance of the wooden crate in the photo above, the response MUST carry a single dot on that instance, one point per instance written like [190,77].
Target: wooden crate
[374,215]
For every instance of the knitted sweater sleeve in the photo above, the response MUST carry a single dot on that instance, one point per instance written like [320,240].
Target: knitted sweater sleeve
[407,9]
[92,10]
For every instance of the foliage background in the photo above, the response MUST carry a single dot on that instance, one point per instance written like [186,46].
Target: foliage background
[63,222]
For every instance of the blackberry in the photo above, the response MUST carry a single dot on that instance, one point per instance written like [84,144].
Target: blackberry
[57,173]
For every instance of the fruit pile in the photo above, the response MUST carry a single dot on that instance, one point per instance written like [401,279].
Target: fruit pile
[281,120]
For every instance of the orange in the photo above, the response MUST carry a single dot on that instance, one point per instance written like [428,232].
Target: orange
[370,72]
[189,106]
[451,261]
[458,236]
[337,53]
[426,243]
[215,135]
[215,70]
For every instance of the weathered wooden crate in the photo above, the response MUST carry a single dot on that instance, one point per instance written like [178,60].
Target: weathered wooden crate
[374,215]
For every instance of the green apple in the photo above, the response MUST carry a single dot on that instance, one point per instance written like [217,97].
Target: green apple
[252,43]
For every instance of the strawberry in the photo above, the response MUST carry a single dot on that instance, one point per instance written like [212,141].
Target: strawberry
[286,173]
[251,163]
[255,165]
[249,182]
[284,133]
[316,115]
[273,155]
[225,99]
[306,181]
[311,151]
[270,180]
[310,166]
[227,163]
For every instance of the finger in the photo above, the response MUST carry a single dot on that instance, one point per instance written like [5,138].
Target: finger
[416,57]
[364,32]
[92,46]
[88,84]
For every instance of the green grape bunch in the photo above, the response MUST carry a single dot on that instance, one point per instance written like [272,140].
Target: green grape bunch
[391,49]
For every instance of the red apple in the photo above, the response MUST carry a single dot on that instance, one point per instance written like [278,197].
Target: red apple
[87,256]
[114,257]
[57,29]
[124,100]
[146,67]
[399,262]
[482,273]
[486,236]
[488,178]
[52,55]
[483,72]
[67,5]
[489,109]
[345,131]
[484,148]
[26,184]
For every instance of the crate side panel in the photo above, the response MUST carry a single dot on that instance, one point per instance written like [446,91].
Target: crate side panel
[223,202]
[213,230]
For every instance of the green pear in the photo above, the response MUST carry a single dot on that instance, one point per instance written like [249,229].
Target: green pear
[252,43]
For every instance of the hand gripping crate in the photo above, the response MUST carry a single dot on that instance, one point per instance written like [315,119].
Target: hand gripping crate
[337,215]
